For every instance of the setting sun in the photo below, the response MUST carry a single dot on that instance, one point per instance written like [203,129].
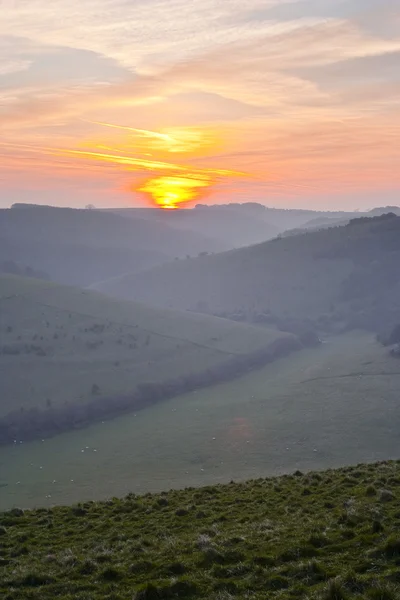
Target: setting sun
[171,192]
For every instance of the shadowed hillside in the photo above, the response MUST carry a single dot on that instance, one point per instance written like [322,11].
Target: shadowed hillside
[69,356]
[233,225]
[332,279]
[81,247]
[237,225]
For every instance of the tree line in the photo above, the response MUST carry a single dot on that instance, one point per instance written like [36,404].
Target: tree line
[33,423]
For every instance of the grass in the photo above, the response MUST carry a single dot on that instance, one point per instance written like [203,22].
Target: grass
[264,538]
[323,407]
[71,344]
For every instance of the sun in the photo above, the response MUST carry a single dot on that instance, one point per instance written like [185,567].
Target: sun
[172,192]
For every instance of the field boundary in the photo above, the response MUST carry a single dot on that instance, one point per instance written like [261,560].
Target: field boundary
[38,423]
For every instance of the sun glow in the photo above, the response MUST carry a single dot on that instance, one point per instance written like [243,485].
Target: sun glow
[169,192]
[173,183]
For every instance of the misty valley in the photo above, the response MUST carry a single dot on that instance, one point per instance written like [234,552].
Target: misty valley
[176,395]
[207,367]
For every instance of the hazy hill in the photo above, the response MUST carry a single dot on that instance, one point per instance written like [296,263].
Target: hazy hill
[232,225]
[236,224]
[81,247]
[71,356]
[338,277]
[330,535]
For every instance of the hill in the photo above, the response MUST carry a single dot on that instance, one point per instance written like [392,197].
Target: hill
[322,407]
[238,225]
[233,225]
[332,279]
[80,247]
[329,535]
[69,356]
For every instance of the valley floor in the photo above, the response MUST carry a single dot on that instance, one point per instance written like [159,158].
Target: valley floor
[324,407]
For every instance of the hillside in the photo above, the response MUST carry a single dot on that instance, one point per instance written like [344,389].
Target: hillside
[333,279]
[330,535]
[71,356]
[232,225]
[238,225]
[322,407]
[81,247]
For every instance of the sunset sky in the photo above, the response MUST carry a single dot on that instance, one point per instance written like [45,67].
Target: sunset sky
[290,103]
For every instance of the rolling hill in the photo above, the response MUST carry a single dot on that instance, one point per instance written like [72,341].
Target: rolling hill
[243,224]
[70,356]
[334,278]
[233,225]
[323,407]
[80,247]
[331,535]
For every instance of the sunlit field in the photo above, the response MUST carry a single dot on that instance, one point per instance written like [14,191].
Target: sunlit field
[325,407]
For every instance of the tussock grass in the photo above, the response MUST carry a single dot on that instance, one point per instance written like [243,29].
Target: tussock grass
[272,542]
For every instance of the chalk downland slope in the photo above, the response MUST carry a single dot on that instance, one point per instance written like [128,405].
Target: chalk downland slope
[325,535]
[66,349]
[338,277]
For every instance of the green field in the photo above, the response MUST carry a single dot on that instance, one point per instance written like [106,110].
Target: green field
[325,407]
[331,535]
[57,342]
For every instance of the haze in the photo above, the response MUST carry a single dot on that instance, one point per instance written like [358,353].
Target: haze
[118,103]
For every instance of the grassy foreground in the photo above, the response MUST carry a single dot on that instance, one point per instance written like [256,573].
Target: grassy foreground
[333,535]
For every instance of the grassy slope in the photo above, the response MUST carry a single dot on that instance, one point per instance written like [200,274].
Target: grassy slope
[301,276]
[332,535]
[318,408]
[91,339]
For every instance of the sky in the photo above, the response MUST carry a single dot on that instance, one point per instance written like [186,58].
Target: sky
[292,103]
